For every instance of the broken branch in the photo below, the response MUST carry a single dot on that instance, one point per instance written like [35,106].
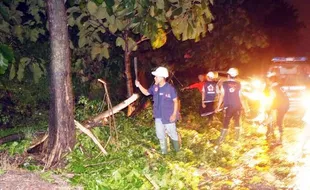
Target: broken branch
[90,134]
[115,109]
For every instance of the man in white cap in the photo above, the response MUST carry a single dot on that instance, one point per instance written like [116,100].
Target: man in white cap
[230,96]
[165,108]
[209,92]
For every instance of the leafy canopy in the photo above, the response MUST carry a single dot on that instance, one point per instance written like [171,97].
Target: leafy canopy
[143,19]
[22,23]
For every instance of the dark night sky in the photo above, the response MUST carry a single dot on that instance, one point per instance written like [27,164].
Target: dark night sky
[303,7]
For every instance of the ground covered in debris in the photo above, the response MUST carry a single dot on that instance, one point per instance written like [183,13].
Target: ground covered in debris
[134,161]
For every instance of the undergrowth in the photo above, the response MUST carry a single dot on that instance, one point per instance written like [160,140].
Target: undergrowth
[134,161]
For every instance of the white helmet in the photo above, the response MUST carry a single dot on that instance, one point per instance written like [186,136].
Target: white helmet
[161,72]
[211,75]
[271,74]
[233,72]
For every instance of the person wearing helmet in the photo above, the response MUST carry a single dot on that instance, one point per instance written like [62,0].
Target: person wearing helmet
[279,106]
[165,108]
[197,85]
[209,92]
[230,93]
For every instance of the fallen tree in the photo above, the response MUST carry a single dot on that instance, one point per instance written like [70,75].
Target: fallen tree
[102,117]
[99,119]
[12,137]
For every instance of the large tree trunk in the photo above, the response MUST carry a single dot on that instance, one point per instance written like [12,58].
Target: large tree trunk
[128,73]
[127,67]
[61,137]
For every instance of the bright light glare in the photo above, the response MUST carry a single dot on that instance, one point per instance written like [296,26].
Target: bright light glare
[257,83]
[302,171]
[305,101]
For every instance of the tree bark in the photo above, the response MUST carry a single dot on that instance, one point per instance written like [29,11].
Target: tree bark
[127,67]
[12,137]
[128,73]
[101,117]
[61,137]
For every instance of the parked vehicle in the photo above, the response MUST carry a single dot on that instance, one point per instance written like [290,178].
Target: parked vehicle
[294,77]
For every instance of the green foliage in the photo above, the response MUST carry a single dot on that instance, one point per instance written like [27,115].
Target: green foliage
[86,108]
[6,57]
[23,25]
[134,161]
[24,103]
[18,21]
[14,148]
[147,19]
[130,163]
[233,41]
[35,66]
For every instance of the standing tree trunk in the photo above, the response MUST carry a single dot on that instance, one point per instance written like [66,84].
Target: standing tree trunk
[128,73]
[127,67]
[61,120]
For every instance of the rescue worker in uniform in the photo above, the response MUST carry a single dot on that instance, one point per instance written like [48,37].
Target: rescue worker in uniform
[198,85]
[165,108]
[230,93]
[279,106]
[209,92]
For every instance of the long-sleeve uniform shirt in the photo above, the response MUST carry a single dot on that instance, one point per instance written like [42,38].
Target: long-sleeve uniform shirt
[198,85]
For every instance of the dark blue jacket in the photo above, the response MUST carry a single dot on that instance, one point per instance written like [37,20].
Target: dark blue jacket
[210,91]
[231,97]
[163,101]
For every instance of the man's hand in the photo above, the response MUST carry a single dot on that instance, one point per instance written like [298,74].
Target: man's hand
[217,110]
[137,83]
[203,105]
[173,117]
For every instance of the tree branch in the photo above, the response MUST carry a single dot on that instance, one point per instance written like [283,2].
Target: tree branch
[144,38]
[91,135]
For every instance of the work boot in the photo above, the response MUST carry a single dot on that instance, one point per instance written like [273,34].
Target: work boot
[163,146]
[237,133]
[222,136]
[176,145]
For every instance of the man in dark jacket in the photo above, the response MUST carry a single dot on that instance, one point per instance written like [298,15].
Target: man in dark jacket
[279,106]
[230,94]
[208,95]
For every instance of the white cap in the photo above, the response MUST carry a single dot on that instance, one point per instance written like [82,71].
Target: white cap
[233,72]
[161,72]
[210,74]
[271,74]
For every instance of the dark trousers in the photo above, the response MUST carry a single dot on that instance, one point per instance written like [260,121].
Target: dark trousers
[281,111]
[231,112]
[208,111]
